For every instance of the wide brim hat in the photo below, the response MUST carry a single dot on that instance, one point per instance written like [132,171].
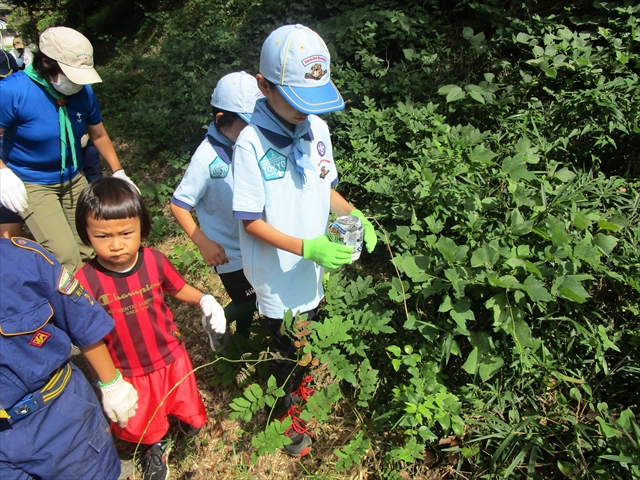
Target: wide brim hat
[236,92]
[297,61]
[73,52]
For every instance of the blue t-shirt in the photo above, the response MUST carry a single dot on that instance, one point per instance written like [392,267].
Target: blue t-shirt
[29,115]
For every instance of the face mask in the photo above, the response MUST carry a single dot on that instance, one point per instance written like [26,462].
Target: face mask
[66,86]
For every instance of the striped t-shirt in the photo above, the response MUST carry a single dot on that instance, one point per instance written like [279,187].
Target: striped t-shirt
[145,338]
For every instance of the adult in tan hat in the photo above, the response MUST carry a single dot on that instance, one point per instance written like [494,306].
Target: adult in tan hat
[22,54]
[44,113]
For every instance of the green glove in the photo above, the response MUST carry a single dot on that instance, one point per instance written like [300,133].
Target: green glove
[369,234]
[326,253]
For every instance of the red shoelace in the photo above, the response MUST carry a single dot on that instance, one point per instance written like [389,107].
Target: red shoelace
[297,424]
[304,391]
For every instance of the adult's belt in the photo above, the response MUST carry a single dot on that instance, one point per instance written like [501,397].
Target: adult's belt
[36,400]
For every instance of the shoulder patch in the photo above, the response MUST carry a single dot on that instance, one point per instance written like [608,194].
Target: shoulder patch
[273,165]
[218,168]
[34,246]
[68,284]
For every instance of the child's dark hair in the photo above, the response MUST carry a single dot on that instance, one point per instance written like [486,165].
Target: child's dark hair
[111,199]
[226,120]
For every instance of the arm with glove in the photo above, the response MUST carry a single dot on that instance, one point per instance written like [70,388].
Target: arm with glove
[103,144]
[319,249]
[119,398]
[13,195]
[209,306]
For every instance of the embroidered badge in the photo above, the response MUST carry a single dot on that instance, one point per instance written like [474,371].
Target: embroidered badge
[39,338]
[79,115]
[66,282]
[218,168]
[322,149]
[273,165]
[316,61]
[324,172]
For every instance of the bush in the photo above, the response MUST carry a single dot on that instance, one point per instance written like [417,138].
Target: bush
[496,146]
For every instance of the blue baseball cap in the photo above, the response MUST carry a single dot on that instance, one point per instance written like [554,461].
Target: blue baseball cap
[297,61]
[237,92]
[8,64]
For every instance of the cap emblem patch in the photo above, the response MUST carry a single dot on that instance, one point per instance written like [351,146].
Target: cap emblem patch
[316,72]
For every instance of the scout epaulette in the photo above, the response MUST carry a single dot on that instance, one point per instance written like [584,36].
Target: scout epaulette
[31,245]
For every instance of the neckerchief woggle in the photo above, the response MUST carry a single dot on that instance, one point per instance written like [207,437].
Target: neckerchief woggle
[66,131]
[221,144]
[281,136]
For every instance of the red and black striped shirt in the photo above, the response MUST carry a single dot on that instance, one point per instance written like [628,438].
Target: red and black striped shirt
[145,338]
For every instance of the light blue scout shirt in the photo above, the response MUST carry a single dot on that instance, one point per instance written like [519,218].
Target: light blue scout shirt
[31,145]
[207,185]
[268,186]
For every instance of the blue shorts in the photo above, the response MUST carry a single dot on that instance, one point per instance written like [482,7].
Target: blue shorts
[69,438]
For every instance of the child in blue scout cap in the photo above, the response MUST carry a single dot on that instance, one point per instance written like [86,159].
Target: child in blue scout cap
[207,186]
[283,191]
[51,424]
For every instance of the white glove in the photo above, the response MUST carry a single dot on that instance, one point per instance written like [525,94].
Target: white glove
[84,140]
[119,400]
[214,313]
[13,195]
[123,176]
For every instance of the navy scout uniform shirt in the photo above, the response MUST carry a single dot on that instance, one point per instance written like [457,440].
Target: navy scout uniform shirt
[43,308]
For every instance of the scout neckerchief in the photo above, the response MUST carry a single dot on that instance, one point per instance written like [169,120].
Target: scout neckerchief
[63,117]
[221,144]
[282,137]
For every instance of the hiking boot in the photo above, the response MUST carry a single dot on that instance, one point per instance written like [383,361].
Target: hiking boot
[154,463]
[217,342]
[300,440]
[303,392]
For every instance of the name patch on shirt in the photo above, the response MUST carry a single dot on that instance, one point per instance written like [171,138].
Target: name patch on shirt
[218,168]
[273,165]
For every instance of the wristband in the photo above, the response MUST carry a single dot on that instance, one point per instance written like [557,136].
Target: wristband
[102,385]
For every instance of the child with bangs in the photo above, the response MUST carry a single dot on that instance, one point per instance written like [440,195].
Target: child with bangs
[130,281]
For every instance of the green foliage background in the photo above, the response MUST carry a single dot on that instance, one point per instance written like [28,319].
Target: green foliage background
[497,146]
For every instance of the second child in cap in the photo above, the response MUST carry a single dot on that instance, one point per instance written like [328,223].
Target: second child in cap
[44,113]
[207,187]
[283,191]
